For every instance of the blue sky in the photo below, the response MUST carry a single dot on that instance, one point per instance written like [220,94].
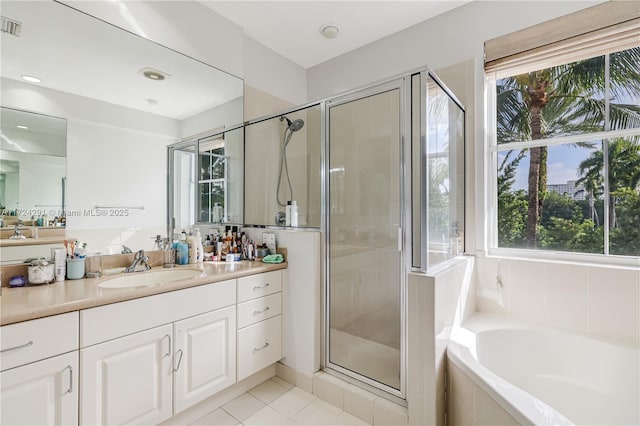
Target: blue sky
[562,164]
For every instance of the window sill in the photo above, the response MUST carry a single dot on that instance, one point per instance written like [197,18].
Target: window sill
[583,259]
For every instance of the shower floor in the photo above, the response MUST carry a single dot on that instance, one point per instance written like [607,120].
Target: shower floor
[381,326]
[366,357]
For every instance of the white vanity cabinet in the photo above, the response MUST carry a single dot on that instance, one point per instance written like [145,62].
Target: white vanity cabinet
[39,377]
[259,322]
[140,361]
[131,376]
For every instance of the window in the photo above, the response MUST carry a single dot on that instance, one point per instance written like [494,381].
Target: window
[566,156]
[212,180]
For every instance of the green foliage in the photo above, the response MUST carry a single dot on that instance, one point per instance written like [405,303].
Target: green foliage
[567,235]
[559,206]
[625,239]
[512,205]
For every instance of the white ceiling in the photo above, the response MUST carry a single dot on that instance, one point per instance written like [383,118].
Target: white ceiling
[291,28]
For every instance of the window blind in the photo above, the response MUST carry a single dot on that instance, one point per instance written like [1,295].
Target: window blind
[601,29]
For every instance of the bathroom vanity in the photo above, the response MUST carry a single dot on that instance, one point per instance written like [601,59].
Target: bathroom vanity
[77,353]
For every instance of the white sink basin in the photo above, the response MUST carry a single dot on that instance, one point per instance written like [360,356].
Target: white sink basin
[141,279]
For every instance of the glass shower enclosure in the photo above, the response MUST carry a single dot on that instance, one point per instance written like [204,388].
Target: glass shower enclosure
[379,172]
[394,204]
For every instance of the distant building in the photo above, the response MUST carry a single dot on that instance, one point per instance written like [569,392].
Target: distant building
[577,192]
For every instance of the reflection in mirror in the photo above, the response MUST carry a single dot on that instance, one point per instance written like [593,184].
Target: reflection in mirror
[181,188]
[33,164]
[219,173]
[119,122]
[212,180]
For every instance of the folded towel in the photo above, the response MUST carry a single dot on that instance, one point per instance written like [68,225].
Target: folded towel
[273,258]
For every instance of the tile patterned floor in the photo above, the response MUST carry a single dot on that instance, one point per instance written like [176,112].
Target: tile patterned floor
[278,403]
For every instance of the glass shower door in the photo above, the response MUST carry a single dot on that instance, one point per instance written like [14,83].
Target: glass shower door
[365,327]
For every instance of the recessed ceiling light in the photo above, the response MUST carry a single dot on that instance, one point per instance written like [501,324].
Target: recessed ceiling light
[152,101]
[153,74]
[31,79]
[330,30]
[20,126]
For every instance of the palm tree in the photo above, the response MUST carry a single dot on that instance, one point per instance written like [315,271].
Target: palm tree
[564,100]
[624,172]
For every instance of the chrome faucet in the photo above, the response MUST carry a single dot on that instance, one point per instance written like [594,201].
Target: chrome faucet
[139,260]
[17,232]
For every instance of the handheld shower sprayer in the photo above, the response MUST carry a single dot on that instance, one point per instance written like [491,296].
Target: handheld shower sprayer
[292,126]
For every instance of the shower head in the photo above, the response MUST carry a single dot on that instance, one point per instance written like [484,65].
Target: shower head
[294,125]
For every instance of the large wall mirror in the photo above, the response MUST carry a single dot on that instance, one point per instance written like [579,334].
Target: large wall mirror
[123,100]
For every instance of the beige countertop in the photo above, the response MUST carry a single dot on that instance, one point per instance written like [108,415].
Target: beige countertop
[31,302]
[6,242]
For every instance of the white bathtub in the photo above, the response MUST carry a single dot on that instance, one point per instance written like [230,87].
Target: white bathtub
[545,376]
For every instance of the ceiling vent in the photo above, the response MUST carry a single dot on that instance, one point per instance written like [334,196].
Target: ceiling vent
[11,27]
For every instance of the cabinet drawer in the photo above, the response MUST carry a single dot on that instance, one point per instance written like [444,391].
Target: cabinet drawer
[259,346]
[134,315]
[259,285]
[259,309]
[37,339]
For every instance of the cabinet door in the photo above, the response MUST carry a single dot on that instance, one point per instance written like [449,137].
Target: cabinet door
[41,393]
[204,356]
[127,380]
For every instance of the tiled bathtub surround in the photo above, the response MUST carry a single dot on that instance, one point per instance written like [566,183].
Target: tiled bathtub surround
[437,302]
[602,301]
[468,404]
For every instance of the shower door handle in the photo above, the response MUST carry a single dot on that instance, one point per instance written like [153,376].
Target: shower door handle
[400,239]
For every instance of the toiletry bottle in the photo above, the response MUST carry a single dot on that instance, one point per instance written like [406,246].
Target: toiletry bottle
[191,242]
[287,214]
[294,214]
[182,250]
[217,213]
[199,249]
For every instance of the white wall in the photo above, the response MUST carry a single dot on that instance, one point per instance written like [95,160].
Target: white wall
[268,71]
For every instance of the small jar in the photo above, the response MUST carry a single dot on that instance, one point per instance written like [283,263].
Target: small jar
[41,271]
[93,265]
